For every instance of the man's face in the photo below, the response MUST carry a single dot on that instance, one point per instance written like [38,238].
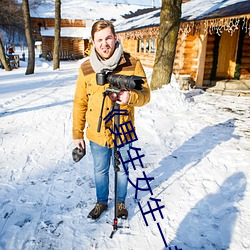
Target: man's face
[104,42]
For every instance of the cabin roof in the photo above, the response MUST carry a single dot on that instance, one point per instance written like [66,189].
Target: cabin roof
[208,9]
[193,10]
[140,21]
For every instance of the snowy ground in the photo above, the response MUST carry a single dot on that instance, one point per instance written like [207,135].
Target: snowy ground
[196,147]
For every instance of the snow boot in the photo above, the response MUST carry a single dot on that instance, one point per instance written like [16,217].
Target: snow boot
[122,211]
[97,210]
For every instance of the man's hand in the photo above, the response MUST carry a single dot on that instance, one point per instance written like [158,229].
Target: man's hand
[123,97]
[79,143]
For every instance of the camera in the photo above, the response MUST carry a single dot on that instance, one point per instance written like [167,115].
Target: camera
[78,153]
[119,81]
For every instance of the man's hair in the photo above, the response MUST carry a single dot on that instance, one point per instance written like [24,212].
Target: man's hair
[101,24]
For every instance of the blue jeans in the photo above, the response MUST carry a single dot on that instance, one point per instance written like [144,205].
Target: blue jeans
[102,157]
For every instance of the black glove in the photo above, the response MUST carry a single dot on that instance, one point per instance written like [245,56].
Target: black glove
[78,153]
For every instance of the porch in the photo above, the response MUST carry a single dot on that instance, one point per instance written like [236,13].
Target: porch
[231,87]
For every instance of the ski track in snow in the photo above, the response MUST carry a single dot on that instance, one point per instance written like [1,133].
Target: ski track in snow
[45,197]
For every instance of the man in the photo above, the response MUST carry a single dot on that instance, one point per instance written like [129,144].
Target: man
[107,54]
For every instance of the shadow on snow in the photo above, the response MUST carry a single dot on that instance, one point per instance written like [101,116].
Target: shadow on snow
[209,225]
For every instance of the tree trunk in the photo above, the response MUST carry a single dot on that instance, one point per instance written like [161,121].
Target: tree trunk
[168,34]
[3,57]
[29,38]
[56,59]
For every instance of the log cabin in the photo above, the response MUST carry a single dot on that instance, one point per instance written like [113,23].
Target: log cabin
[74,37]
[213,41]
[77,19]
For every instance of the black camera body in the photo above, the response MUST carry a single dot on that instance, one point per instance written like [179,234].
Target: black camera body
[121,82]
[117,84]
[78,153]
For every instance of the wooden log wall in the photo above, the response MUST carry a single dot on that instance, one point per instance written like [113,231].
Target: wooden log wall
[47,45]
[66,44]
[79,46]
[178,61]
[146,59]
[131,46]
[190,56]
[185,59]
[186,55]
[73,45]
[50,22]
[209,57]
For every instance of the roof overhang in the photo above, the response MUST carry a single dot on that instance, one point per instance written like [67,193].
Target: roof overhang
[73,32]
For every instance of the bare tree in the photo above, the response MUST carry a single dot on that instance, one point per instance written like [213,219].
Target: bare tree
[3,57]
[11,17]
[168,34]
[11,24]
[28,33]
[56,59]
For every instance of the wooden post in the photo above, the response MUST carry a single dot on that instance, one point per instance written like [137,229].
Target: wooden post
[201,60]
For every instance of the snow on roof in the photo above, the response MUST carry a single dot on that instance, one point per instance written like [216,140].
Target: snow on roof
[85,10]
[145,20]
[192,10]
[79,32]
[197,9]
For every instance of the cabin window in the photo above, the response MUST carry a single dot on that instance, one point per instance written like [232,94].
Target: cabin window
[146,45]
[152,45]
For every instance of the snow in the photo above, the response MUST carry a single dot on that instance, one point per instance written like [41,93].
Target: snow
[197,9]
[86,10]
[145,20]
[81,32]
[192,10]
[196,147]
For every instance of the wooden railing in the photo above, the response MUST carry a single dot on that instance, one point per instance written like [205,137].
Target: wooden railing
[63,55]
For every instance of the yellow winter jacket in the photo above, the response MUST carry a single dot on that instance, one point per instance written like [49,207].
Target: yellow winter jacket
[89,96]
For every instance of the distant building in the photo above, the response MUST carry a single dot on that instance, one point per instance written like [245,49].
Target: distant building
[74,37]
[77,19]
[213,41]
